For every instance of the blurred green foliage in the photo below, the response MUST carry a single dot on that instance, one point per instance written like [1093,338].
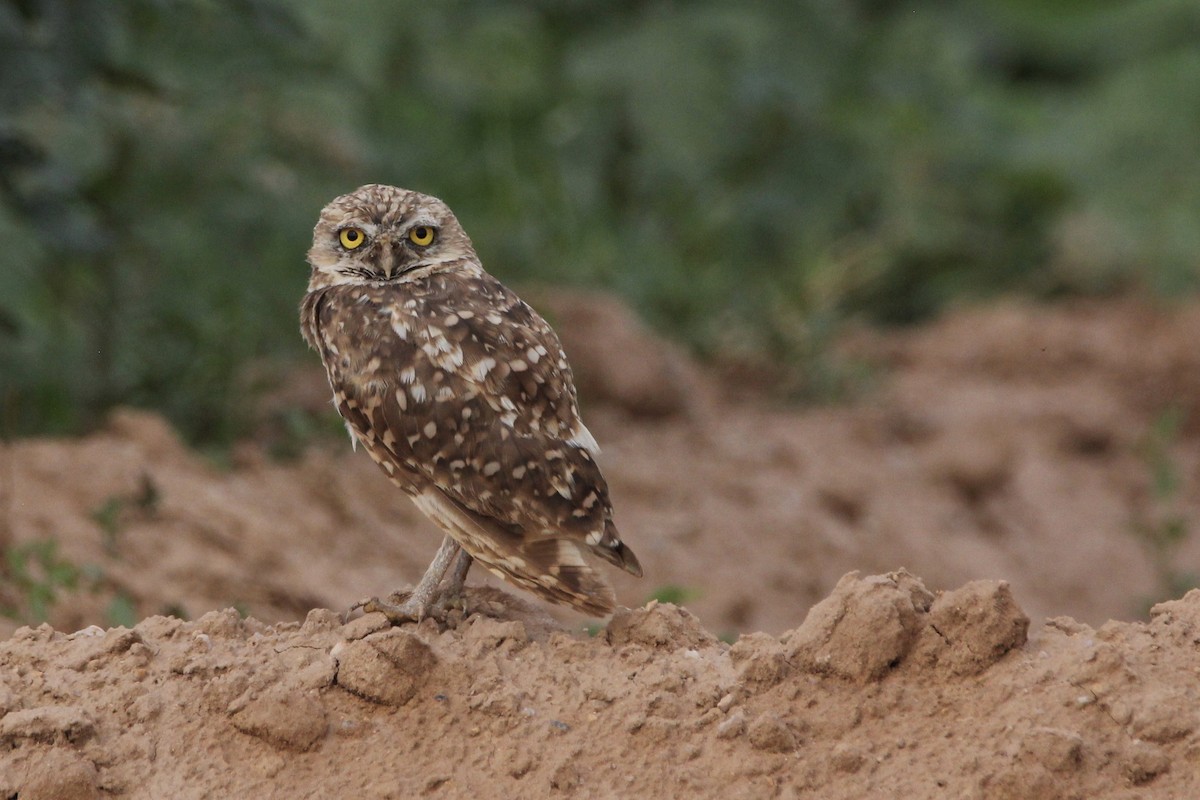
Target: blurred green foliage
[748,175]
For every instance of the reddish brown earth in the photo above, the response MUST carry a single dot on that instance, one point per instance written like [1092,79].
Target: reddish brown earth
[1008,457]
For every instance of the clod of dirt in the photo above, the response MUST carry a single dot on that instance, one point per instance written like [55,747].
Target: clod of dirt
[285,717]
[862,630]
[771,733]
[386,668]
[484,634]
[1055,749]
[1183,613]
[47,724]
[759,659]
[57,774]
[1164,715]
[1144,762]
[972,627]
[733,726]
[657,625]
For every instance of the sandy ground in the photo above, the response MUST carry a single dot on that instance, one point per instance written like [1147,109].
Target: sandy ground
[1019,460]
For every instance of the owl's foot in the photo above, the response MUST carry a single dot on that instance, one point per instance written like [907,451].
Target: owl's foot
[439,592]
[402,607]
[397,612]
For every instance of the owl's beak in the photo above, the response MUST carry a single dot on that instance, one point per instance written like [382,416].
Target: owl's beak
[390,258]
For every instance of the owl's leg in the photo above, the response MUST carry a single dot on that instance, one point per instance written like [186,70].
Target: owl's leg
[452,589]
[426,596]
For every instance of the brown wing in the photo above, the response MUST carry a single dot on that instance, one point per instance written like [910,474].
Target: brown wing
[465,387]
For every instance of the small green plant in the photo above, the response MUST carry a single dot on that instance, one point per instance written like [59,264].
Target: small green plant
[121,611]
[108,517]
[1163,526]
[110,514]
[35,574]
[672,593]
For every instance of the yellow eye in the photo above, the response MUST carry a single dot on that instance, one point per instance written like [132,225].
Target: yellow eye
[422,235]
[351,238]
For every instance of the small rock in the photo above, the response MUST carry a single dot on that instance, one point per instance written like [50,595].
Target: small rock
[47,724]
[386,668]
[59,774]
[364,626]
[158,627]
[847,758]
[92,643]
[1055,749]
[566,776]
[657,625]
[285,717]
[733,726]
[321,620]
[520,767]
[1163,715]
[226,623]
[973,627]
[771,733]
[485,633]
[317,674]
[759,660]
[1144,762]
[8,700]
[863,629]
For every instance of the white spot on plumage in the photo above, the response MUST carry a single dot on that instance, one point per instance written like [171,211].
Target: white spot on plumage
[517,365]
[417,390]
[582,437]
[408,375]
[430,429]
[482,367]
[491,468]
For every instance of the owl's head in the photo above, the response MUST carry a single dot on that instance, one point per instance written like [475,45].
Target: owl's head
[382,234]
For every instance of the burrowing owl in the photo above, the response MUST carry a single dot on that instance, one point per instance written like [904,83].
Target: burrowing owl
[462,394]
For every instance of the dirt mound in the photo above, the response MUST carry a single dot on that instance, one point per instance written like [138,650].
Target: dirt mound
[886,689]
